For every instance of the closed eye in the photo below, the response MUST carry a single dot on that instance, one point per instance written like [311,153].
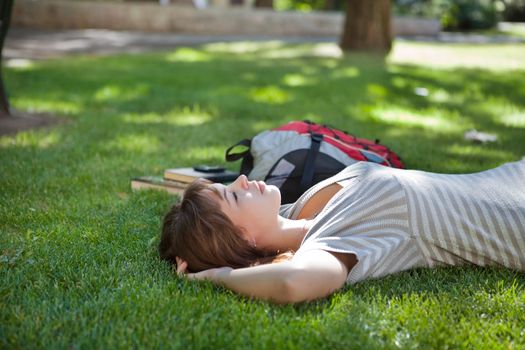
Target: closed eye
[235,196]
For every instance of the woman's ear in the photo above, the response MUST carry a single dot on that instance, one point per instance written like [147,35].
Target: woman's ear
[248,238]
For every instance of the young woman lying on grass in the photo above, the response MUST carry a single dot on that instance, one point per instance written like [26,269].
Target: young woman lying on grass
[367,221]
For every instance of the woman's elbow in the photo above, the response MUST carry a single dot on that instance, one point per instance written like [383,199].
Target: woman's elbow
[300,287]
[286,291]
[290,292]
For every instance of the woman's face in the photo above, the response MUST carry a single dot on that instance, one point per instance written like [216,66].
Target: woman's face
[251,205]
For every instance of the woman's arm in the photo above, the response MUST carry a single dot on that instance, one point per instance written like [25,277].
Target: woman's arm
[310,275]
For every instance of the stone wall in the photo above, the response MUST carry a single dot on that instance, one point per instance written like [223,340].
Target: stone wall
[152,17]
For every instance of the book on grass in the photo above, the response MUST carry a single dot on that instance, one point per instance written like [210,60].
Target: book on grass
[158,183]
[188,175]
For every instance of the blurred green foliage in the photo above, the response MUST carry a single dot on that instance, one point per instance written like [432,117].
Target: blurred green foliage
[469,14]
[453,14]
[514,10]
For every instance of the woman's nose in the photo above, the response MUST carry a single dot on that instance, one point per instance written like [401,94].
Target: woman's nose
[242,181]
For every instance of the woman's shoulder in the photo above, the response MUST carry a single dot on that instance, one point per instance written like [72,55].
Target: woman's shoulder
[357,169]
[351,172]
[362,167]
[366,171]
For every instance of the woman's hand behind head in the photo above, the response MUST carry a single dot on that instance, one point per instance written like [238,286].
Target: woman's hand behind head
[210,274]
[182,266]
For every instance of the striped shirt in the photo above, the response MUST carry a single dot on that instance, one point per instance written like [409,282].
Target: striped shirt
[394,219]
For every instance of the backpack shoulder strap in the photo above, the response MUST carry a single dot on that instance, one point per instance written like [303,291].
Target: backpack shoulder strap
[309,165]
[246,155]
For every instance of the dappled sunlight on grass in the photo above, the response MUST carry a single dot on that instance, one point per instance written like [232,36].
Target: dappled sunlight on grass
[309,70]
[427,119]
[465,157]
[41,139]
[192,119]
[330,63]
[376,91]
[187,116]
[276,49]
[244,47]
[47,105]
[135,143]
[505,114]
[319,50]
[398,81]
[479,152]
[498,111]
[441,96]
[346,72]
[425,92]
[20,64]
[112,92]
[513,119]
[145,118]
[188,55]
[328,50]
[205,154]
[491,57]
[296,80]
[270,94]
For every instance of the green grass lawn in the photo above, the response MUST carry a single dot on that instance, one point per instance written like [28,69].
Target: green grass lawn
[78,263]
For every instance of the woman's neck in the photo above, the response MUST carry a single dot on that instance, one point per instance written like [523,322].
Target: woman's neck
[289,234]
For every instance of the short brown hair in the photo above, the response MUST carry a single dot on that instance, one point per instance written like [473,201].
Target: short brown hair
[197,231]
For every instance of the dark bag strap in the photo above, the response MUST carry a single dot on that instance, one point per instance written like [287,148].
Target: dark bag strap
[247,158]
[309,166]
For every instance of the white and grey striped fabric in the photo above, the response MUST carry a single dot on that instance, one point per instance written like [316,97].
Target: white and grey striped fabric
[394,219]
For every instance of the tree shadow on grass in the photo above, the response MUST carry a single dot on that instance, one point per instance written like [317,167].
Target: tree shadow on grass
[471,84]
[149,110]
[182,106]
[140,114]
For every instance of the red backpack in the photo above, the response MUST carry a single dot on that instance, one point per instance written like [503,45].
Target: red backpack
[297,155]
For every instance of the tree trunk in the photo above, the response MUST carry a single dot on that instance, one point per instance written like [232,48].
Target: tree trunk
[367,26]
[5,15]
[264,3]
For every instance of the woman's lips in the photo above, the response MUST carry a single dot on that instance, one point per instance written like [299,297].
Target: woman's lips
[261,186]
